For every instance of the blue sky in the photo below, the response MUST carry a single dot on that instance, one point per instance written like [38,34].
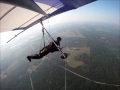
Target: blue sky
[103,11]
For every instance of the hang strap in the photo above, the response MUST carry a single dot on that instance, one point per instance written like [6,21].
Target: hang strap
[43,36]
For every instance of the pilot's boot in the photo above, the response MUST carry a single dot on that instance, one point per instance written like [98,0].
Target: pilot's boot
[29,58]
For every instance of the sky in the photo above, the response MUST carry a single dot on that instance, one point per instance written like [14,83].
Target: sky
[107,11]
[100,11]
[103,11]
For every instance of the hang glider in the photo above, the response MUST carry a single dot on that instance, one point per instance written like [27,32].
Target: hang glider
[22,14]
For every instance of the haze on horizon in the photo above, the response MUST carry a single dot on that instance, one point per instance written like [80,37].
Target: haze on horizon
[101,11]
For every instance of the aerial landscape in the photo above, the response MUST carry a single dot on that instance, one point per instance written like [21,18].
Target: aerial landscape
[92,55]
[93,61]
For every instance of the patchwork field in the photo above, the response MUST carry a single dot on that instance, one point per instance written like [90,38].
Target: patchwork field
[71,34]
[76,51]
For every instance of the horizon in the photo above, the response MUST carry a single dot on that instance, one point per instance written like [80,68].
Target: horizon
[100,11]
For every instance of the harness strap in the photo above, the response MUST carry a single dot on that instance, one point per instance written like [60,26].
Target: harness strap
[43,35]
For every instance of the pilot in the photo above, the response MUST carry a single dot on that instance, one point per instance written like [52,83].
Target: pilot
[46,50]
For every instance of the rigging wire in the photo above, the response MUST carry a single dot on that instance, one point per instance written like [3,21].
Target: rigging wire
[76,74]
[65,75]
[43,36]
[30,72]
[52,39]
[80,76]
[65,70]
[31,81]
[41,42]
[26,21]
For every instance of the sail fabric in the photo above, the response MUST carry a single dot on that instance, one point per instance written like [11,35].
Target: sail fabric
[28,12]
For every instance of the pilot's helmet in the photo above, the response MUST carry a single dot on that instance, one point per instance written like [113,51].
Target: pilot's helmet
[59,38]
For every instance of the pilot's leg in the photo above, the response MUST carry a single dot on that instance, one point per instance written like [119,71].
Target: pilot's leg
[38,56]
[44,53]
